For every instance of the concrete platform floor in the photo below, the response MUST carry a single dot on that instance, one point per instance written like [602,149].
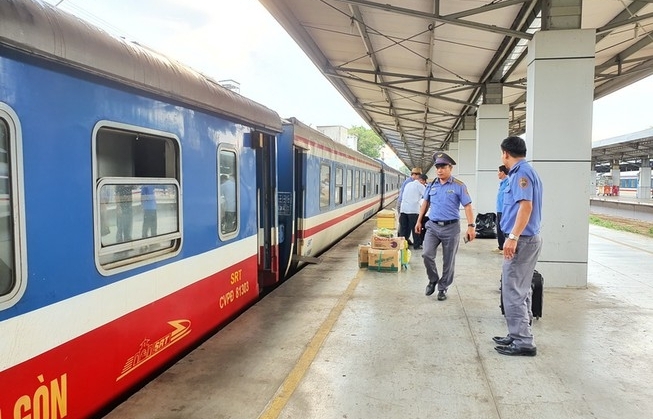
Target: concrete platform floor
[338,342]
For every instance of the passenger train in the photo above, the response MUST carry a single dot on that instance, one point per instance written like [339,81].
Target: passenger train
[629,185]
[144,206]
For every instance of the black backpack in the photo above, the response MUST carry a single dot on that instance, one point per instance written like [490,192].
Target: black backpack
[486,226]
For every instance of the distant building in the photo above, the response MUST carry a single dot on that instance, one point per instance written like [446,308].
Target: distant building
[391,159]
[340,135]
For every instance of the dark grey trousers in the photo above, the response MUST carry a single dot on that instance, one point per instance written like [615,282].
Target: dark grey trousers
[449,237]
[516,281]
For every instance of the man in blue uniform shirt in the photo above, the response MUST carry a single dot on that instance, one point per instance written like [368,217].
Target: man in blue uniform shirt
[442,200]
[503,183]
[521,218]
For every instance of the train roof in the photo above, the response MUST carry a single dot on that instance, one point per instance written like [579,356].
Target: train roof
[390,169]
[309,133]
[41,29]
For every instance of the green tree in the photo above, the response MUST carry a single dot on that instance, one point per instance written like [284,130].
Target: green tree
[368,142]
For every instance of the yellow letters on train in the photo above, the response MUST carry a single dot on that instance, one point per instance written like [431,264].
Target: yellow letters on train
[46,402]
[236,276]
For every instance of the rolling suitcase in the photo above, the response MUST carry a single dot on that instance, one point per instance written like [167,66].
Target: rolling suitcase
[537,298]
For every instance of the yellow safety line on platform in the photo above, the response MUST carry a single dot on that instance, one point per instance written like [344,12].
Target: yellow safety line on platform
[290,384]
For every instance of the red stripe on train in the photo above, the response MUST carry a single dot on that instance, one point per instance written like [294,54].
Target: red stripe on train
[302,234]
[79,377]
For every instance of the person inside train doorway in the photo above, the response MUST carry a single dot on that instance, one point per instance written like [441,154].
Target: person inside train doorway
[403,224]
[503,183]
[228,200]
[521,217]
[442,200]
[410,204]
[124,216]
[148,203]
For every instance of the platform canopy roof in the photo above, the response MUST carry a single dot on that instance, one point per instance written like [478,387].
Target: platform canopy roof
[630,151]
[416,70]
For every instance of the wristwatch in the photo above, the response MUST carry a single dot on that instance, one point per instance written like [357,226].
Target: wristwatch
[512,237]
[471,225]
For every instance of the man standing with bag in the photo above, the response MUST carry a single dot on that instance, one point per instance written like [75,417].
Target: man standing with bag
[521,218]
[442,200]
[503,183]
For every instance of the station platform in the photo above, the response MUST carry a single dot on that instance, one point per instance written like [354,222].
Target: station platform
[623,206]
[339,342]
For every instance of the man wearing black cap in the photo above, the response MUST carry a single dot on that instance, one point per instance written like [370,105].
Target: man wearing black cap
[442,200]
[521,218]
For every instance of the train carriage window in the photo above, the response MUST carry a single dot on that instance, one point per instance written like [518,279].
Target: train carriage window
[350,178]
[11,279]
[137,196]
[228,191]
[338,187]
[325,186]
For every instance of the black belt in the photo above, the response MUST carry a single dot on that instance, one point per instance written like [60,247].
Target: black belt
[444,223]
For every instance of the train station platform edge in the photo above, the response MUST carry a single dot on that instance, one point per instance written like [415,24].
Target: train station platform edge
[336,341]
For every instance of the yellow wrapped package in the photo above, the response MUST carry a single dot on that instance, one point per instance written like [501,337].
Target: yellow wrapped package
[405,258]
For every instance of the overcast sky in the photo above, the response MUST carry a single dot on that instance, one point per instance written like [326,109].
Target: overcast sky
[239,40]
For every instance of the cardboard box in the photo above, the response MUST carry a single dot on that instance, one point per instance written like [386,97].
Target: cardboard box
[386,214]
[386,223]
[384,260]
[394,243]
[386,219]
[363,256]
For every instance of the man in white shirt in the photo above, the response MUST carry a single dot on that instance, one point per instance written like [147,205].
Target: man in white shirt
[410,205]
[414,175]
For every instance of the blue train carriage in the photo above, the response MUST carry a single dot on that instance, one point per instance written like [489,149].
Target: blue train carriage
[129,227]
[326,190]
[392,179]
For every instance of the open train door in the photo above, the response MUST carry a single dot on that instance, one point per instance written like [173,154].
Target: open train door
[300,203]
[267,204]
[287,209]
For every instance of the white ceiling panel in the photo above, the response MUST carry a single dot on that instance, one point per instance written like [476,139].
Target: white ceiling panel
[414,69]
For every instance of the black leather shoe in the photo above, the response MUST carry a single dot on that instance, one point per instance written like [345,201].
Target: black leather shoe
[430,288]
[442,296]
[513,350]
[417,247]
[502,340]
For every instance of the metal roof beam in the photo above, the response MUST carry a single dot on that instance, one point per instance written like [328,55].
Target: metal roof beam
[408,77]
[617,24]
[617,21]
[618,58]
[362,29]
[486,8]
[332,74]
[442,19]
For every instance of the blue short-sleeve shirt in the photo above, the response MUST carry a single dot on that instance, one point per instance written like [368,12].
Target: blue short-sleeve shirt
[445,199]
[502,188]
[523,184]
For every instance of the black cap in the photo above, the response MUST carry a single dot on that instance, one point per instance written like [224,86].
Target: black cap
[442,158]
